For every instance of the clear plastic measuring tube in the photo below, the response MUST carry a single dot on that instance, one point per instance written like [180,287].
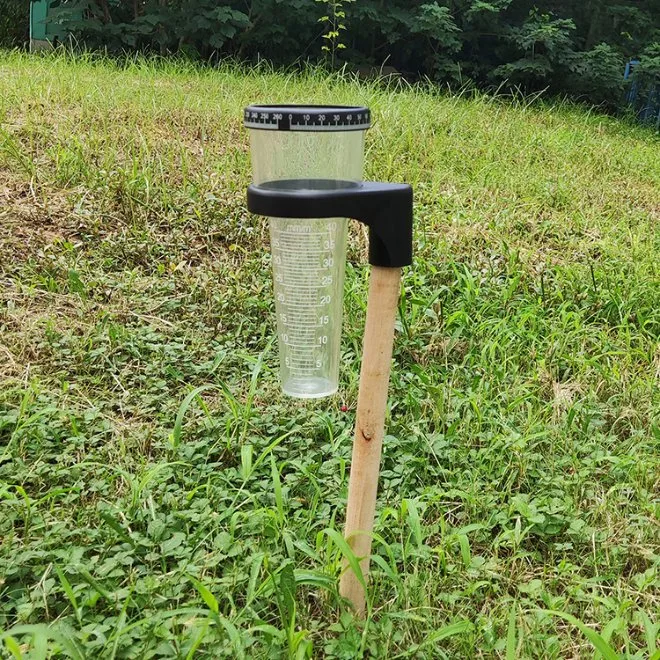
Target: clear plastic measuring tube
[308,146]
[308,270]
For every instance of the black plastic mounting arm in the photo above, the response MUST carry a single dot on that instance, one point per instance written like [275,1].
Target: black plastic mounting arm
[386,208]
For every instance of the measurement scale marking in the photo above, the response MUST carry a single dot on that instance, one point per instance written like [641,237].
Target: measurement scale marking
[293,307]
[303,234]
[296,287]
[297,250]
[303,268]
[316,263]
[305,329]
[305,346]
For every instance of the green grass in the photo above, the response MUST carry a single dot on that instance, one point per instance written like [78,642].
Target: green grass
[160,498]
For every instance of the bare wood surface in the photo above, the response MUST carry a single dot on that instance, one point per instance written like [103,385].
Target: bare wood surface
[384,286]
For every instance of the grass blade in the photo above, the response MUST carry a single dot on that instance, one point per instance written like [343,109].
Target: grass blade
[286,595]
[451,630]
[234,636]
[511,634]
[206,595]
[414,522]
[650,632]
[66,585]
[13,647]
[40,635]
[348,554]
[175,437]
[598,642]
[277,489]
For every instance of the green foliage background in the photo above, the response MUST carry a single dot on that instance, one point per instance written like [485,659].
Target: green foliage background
[567,47]
[14,21]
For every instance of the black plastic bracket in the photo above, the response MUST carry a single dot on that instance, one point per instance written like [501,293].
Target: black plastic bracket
[386,208]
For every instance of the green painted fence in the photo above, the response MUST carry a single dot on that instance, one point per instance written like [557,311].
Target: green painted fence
[47,23]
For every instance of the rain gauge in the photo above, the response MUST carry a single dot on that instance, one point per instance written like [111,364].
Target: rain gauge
[307,166]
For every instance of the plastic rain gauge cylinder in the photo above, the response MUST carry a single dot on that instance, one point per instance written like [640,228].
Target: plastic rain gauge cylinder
[311,146]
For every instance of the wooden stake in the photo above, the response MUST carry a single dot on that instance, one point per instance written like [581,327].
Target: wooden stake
[384,288]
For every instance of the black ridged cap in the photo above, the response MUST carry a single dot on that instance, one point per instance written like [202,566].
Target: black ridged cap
[312,118]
